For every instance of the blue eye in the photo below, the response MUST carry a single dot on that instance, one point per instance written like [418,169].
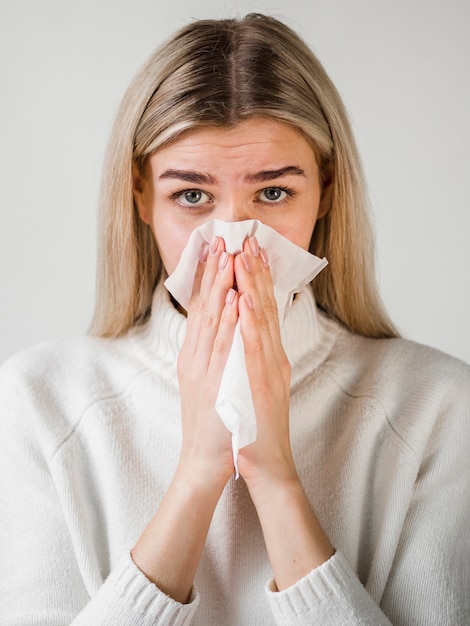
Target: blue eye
[192,197]
[273,194]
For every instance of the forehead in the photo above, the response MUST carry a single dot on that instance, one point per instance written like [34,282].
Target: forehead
[256,143]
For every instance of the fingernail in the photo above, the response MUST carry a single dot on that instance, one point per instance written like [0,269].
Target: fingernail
[248,300]
[230,296]
[254,246]
[264,257]
[223,260]
[214,245]
[245,261]
[203,253]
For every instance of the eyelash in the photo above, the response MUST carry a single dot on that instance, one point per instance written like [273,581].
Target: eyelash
[175,197]
[290,193]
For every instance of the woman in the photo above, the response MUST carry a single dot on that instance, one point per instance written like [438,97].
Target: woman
[119,503]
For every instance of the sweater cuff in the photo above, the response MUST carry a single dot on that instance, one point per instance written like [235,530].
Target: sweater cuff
[128,597]
[329,595]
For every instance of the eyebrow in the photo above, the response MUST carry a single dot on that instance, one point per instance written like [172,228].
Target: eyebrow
[191,177]
[198,178]
[264,176]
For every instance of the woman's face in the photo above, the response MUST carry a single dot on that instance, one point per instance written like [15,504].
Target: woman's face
[260,169]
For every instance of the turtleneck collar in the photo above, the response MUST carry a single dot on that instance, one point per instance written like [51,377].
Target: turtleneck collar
[306,334]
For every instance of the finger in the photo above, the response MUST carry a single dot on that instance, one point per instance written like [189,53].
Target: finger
[203,280]
[202,258]
[267,365]
[195,304]
[255,325]
[224,338]
[264,281]
[216,247]
[204,323]
[255,277]
[213,317]
[255,328]
[252,276]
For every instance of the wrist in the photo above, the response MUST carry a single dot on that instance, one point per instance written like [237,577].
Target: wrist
[169,549]
[202,475]
[295,541]
[278,476]
[273,491]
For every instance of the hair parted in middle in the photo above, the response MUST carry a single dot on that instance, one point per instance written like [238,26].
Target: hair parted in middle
[218,73]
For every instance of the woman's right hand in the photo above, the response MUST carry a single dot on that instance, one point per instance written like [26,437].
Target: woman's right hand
[169,549]
[212,317]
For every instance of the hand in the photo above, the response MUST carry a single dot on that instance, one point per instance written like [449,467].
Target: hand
[212,317]
[294,539]
[269,458]
[169,549]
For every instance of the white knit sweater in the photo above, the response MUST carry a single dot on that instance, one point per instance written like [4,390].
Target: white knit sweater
[90,436]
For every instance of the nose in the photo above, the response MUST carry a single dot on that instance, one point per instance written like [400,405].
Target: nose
[234,210]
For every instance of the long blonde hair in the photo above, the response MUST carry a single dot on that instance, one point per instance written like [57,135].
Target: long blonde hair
[219,73]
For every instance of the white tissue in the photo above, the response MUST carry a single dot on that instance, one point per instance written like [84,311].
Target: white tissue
[291,267]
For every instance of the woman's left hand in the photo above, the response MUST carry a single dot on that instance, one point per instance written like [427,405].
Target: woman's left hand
[294,539]
[268,369]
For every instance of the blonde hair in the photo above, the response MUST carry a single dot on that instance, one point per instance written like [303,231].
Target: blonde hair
[219,73]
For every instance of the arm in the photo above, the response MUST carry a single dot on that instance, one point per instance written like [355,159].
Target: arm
[177,533]
[206,461]
[36,552]
[40,572]
[312,584]
[42,582]
[295,541]
[430,579]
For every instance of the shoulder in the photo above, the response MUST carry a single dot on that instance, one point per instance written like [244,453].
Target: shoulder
[49,386]
[419,388]
[379,363]
[95,361]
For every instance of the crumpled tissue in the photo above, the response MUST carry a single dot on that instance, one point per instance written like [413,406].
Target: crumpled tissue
[291,268]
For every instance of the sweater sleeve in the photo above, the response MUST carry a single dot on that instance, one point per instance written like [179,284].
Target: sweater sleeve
[430,578]
[127,598]
[41,583]
[330,595]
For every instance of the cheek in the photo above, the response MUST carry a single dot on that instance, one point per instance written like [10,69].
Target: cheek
[171,231]
[298,230]
[171,241]
[303,238]
[307,235]
[305,226]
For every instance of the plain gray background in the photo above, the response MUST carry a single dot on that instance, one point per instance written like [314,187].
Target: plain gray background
[402,68]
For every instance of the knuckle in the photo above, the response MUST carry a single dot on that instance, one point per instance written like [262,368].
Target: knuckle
[256,268]
[263,321]
[209,321]
[231,315]
[196,304]
[270,306]
[220,345]
[256,347]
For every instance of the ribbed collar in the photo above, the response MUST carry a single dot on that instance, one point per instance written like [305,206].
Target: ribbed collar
[307,336]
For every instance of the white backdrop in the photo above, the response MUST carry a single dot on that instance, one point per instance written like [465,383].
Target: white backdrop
[402,68]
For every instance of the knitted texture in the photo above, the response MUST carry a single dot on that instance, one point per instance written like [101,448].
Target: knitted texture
[91,434]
